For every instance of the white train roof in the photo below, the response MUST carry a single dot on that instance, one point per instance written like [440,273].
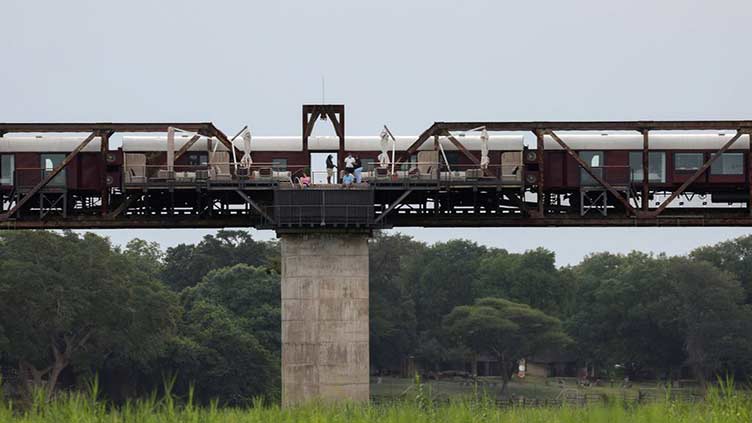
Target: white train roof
[39,144]
[584,141]
[142,143]
[321,143]
[659,141]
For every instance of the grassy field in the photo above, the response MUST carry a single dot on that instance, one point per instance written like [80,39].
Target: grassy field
[722,405]
[530,388]
[77,409]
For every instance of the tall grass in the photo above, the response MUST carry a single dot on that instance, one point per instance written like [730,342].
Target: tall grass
[724,404]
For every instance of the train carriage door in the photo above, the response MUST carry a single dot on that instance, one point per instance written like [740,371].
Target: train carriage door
[48,163]
[595,160]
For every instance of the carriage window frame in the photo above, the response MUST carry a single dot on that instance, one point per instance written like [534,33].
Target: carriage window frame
[7,169]
[590,157]
[200,158]
[719,166]
[677,157]
[48,162]
[656,166]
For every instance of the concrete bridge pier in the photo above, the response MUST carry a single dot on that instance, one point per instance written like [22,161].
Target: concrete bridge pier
[325,332]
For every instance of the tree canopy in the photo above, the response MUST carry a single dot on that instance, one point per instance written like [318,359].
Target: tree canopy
[508,330]
[71,300]
[185,265]
[72,306]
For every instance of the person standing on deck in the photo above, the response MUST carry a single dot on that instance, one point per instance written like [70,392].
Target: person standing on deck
[358,170]
[349,163]
[329,169]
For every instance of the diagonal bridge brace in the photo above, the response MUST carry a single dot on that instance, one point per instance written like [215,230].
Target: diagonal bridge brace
[198,136]
[391,207]
[422,138]
[464,150]
[697,174]
[41,184]
[432,131]
[592,173]
[187,146]
[255,206]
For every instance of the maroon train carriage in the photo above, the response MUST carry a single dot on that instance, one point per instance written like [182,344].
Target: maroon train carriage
[673,158]
[25,160]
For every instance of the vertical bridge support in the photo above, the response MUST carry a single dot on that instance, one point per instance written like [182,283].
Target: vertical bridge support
[325,332]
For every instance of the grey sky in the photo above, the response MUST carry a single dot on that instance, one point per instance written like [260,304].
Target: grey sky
[402,63]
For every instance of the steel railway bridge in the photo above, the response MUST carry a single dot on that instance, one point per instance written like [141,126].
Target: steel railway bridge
[269,204]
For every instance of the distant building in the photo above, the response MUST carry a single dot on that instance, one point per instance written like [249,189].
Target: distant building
[552,364]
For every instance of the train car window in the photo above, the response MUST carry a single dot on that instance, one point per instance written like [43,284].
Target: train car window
[198,159]
[7,169]
[688,161]
[280,165]
[595,160]
[48,163]
[656,166]
[728,164]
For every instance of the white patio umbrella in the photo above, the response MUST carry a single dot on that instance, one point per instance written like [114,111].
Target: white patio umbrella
[484,160]
[246,161]
[384,156]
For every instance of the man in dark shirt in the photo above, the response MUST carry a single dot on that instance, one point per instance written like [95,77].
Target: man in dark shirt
[358,170]
[329,169]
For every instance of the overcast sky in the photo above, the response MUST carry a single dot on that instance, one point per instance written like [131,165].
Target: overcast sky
[401,63]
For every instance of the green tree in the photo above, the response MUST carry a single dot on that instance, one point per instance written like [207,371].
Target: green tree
[510,331]
[250,294]
[619,318]
[229,338]
[707,304]
[185,265]
[221,357]
[392,309]
[440,278]
[71,301]
[3,342]
[647,312]
[530,278]
[147,258]
[734,256]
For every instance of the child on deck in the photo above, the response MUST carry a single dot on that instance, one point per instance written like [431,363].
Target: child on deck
[347,180]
